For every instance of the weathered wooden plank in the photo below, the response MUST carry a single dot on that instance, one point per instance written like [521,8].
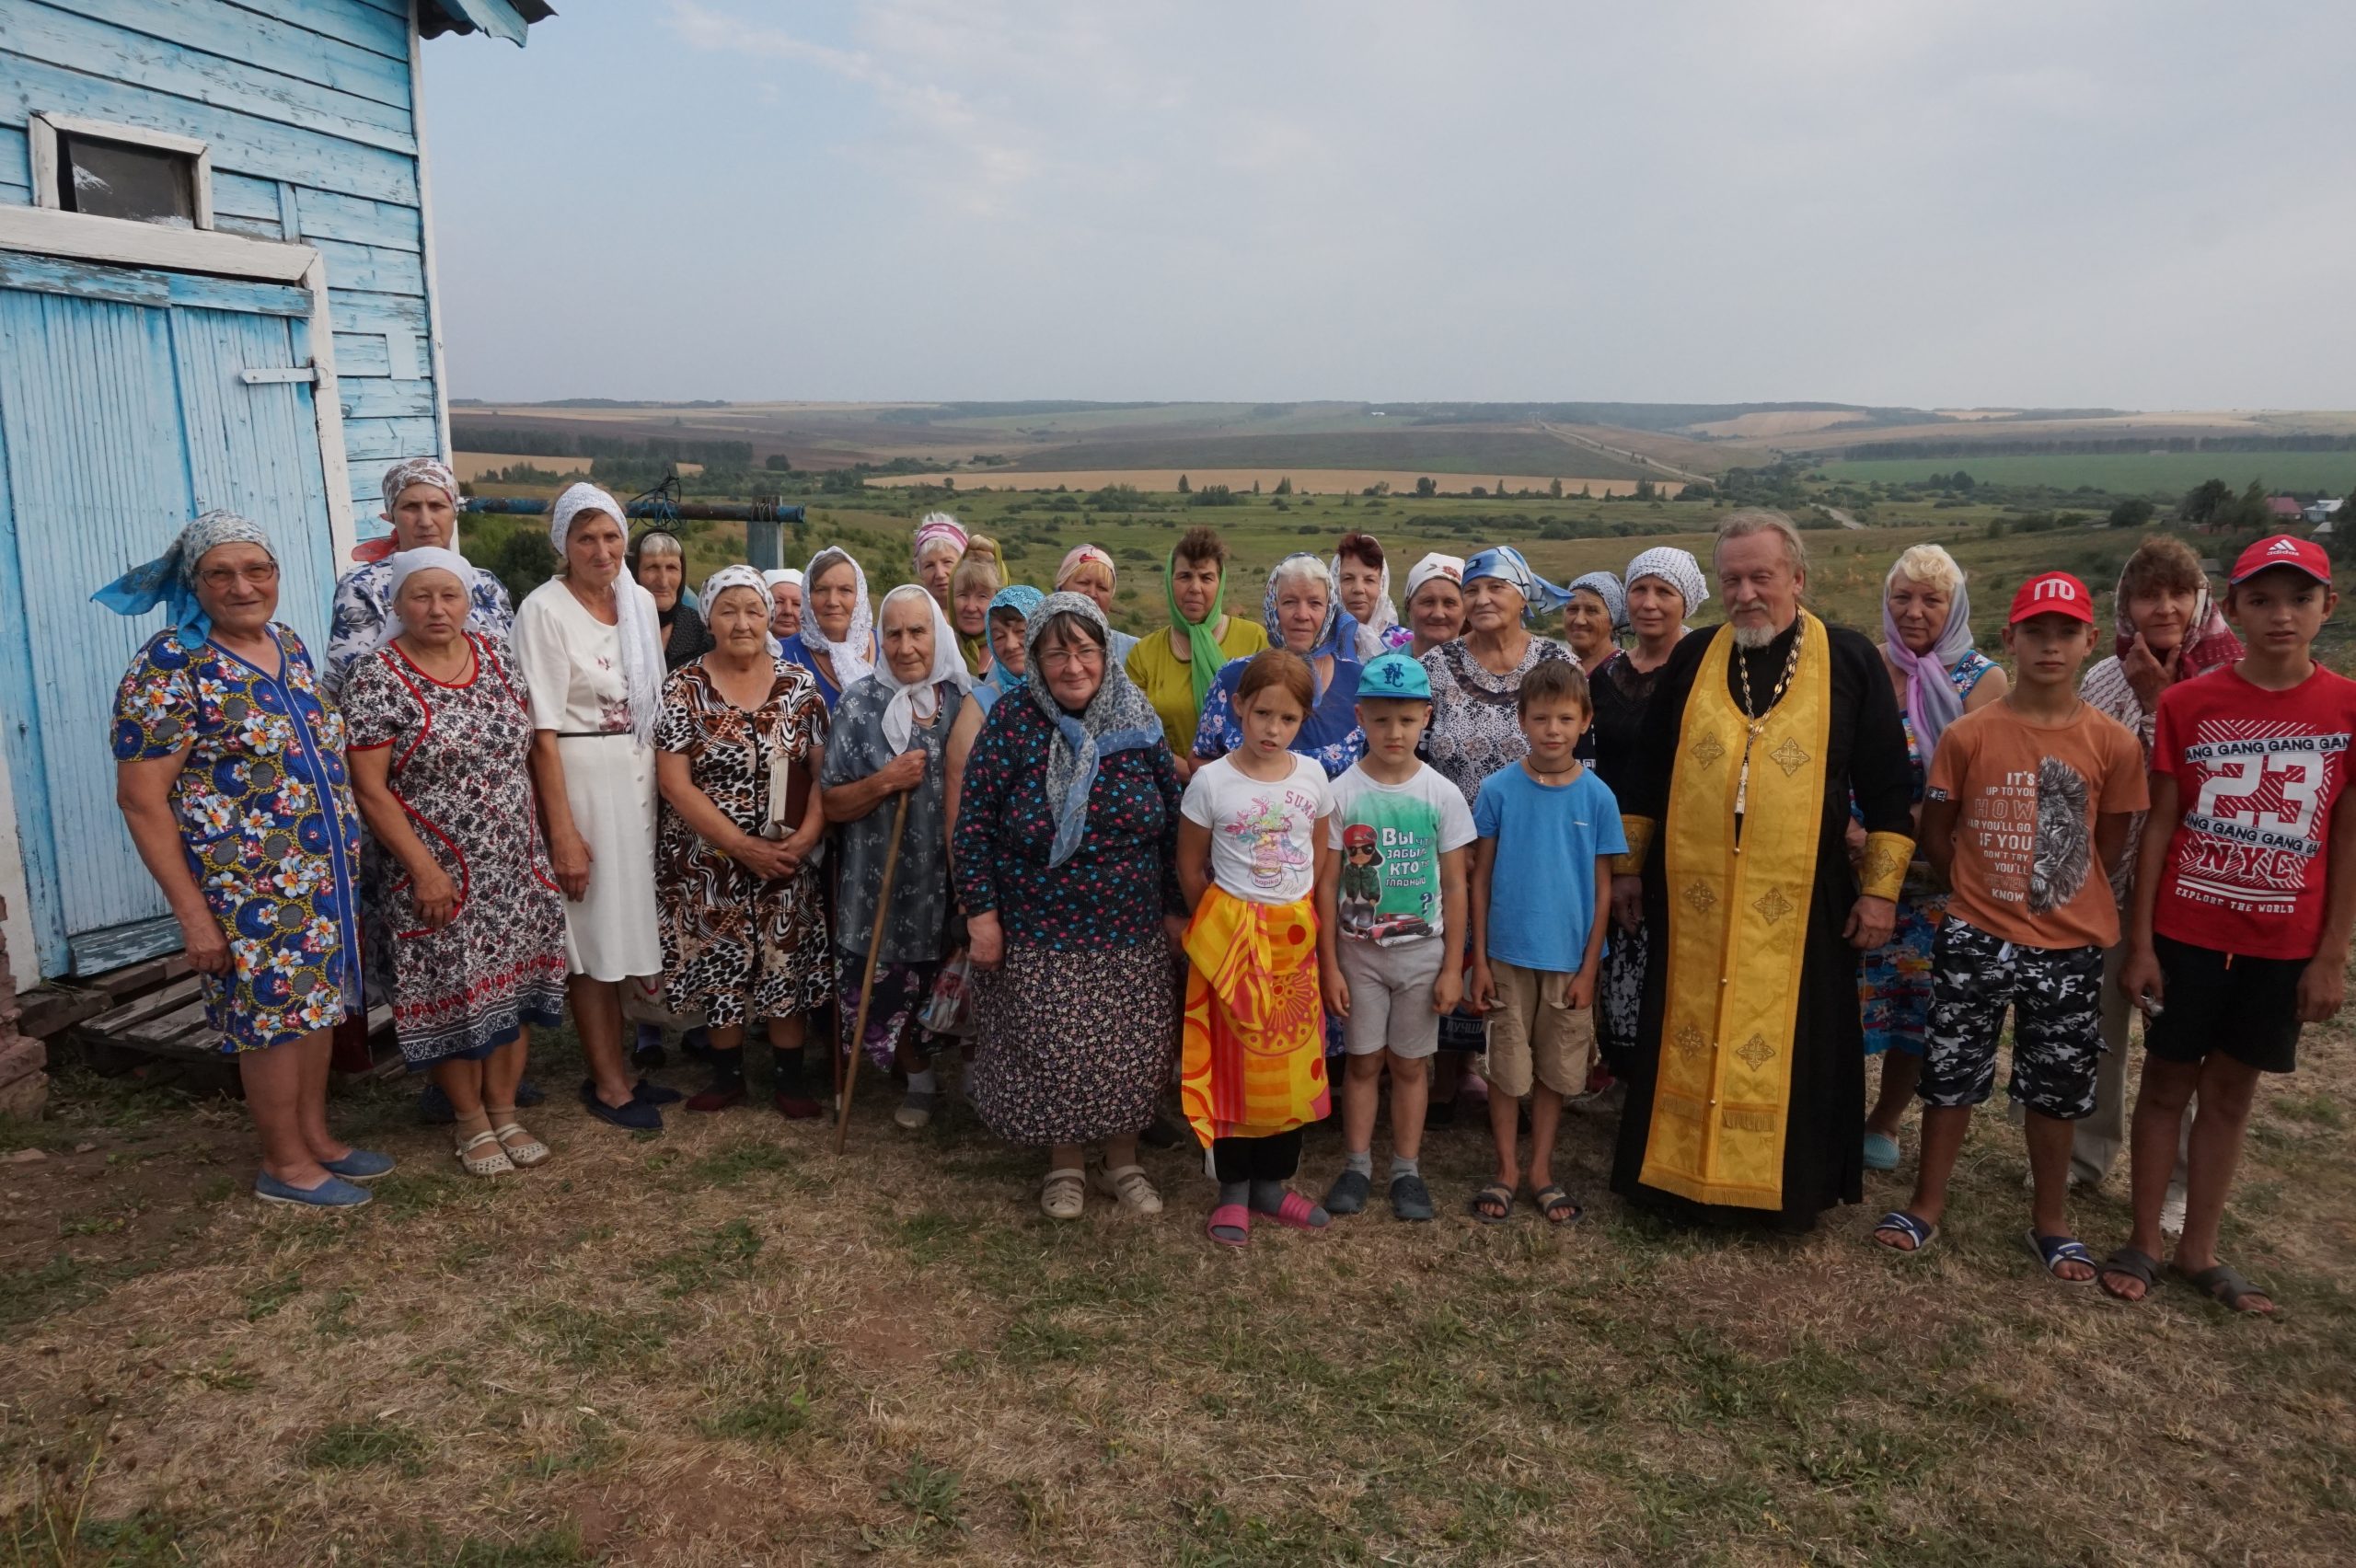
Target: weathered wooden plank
[369,269]
[139,1008]
[381,441]
[252,228]
[360,354]
[383,29]
[16,158]
[232,293]
[131,285]
[39,31]
[165,1029]
[264,148]
[243,196]
[354,311]
[261,41]
[381,398]
[387,225]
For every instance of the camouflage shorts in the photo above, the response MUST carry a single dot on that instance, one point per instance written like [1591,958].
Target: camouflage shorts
[2055,996]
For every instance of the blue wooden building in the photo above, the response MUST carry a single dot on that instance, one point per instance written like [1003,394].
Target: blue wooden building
[216,289]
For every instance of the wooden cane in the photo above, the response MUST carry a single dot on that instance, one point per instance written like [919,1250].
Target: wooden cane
[867,981]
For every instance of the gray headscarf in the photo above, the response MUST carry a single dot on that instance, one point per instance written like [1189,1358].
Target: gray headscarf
[1117,719]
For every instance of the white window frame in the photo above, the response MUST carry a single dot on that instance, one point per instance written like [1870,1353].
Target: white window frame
[42,129]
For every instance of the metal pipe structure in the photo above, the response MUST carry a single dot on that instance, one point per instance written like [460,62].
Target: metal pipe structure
[763,546]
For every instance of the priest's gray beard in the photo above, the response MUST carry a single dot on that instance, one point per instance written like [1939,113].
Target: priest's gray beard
[1747,636]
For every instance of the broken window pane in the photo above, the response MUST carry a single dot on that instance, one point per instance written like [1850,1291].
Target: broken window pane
[119,179]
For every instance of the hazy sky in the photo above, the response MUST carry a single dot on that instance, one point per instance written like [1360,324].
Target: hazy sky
[2147,204]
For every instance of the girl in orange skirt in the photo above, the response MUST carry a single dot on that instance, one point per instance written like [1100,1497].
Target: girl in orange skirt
[1254,1050]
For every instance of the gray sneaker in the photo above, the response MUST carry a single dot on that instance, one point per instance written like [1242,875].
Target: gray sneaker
[1410,1199]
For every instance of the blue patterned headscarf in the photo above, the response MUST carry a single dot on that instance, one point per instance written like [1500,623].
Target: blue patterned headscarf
[170,579]
[1117,719]
[1338,638]
[1538,597]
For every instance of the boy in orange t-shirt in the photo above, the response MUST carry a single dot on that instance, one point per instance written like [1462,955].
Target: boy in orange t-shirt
[2024,815]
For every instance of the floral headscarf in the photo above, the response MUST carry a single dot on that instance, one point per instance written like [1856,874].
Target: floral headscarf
[2208,641]
[1117,719]
[855,655]
[170,579]
[398,477]
[738,577]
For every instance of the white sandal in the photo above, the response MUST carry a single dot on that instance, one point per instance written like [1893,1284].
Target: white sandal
[1064,1193]
[529,1152]
[1128,1185]
[494,1164]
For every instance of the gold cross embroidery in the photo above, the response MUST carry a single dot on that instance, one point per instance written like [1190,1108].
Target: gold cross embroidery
[1699,898]
[1756,1052]
[1690,1042]
[1772,904]
[1790,756]
[1708,750]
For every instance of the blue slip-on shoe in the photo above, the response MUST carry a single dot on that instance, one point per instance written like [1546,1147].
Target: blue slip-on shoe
[1881,1152]
[361,1165]
[333,1192]
[528,1094]
[649,1092]
[434,1107]
[636,1114]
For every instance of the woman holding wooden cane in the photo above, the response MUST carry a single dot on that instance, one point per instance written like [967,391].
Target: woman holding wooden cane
[891,731]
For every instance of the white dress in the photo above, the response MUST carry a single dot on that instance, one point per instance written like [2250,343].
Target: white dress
[572,663]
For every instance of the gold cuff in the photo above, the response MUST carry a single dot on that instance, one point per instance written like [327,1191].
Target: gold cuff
[1639,832]
[1882,870]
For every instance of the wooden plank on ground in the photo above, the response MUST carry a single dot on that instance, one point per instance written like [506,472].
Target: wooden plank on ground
[139,1009]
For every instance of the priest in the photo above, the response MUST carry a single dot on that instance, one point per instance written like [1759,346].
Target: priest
[1747,1089]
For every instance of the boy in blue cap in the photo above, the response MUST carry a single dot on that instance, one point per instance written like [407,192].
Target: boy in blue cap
[1396,853]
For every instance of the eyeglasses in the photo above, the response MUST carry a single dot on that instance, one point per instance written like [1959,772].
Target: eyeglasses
[1072,659]
[218,577]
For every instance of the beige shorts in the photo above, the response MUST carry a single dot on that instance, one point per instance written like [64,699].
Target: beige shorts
[1533,1035]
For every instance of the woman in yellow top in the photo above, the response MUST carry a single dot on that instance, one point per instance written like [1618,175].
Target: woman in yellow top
[1174,667]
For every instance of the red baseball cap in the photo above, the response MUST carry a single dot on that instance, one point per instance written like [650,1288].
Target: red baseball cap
[2052,593]
[2282,549]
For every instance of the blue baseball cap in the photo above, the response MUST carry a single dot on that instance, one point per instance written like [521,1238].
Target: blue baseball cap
[1396,675]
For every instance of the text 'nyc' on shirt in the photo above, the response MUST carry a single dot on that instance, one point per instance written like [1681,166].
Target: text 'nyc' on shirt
[2258,775]
[2025,869]
[1390,838]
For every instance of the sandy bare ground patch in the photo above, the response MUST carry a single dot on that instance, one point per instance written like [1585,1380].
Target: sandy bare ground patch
[720,1345]
[473,466]
[1313,481]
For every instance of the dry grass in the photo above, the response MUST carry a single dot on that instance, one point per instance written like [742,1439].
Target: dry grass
[720,1346]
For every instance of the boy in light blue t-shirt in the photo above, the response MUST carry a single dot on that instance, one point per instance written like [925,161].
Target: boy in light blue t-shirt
[1537,943]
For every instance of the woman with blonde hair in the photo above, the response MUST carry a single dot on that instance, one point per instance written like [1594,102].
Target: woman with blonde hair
[977,579]
[1938,678]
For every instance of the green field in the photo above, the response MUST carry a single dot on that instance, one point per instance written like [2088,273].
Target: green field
[2156,474]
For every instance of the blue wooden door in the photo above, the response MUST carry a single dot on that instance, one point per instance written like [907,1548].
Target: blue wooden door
[125,411]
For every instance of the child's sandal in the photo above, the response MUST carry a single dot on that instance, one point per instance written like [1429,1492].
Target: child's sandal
[495,1163]
[523,1149]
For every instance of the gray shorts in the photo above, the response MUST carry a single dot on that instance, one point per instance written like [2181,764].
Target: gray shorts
[1391,997]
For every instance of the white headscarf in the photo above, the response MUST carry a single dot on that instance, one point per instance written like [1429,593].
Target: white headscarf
[729,577]
[403,564]
[1448,568]
[778,575]
[1385,617]
[855,655]
[636,627]
[919,701]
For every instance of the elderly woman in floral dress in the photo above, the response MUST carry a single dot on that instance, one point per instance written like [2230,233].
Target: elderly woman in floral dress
[1303,615]
[744,929]
[229,771]
[465,928]
[1067,869]
[421,505]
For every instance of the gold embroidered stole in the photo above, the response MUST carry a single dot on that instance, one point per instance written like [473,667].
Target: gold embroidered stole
[1737,930]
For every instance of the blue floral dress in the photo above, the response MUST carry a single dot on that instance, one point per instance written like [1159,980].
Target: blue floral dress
[1894,981]
[267,818]
[1330,734]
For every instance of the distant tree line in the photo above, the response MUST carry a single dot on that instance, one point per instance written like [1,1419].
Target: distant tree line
[2130,445]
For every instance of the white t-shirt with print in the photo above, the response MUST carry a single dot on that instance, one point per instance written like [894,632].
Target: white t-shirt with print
[1264,837]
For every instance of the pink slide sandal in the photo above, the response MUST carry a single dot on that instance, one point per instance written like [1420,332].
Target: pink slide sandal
[1230,1217]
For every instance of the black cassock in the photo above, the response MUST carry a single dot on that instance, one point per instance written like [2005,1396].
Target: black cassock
[1824,1126]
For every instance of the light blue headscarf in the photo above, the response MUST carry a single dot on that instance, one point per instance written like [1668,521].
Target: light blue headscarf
[1023,600]
[1117,719]
[1540,598]
[1339,636]
[170,579]
[1606,587]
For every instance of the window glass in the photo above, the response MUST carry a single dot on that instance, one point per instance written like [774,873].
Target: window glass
[117,179]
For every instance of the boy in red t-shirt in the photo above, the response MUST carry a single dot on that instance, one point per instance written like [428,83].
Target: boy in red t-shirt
[2244,899]
[2025,815]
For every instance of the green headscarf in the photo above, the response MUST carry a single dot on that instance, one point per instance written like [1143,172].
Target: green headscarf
[1204,655]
